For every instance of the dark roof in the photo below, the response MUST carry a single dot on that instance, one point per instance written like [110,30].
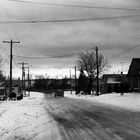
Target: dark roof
[134,69]
[114,78]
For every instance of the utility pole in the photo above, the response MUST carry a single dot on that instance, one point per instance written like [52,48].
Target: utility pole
[11,42]
[97,64]
[28,81]
[23,75]
[75,80]
[70,83]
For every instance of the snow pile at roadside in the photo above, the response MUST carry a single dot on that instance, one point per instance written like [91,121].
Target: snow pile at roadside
[130,101]
[26,119]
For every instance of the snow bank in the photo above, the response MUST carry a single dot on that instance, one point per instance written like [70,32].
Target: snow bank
[130,101]
[26,119]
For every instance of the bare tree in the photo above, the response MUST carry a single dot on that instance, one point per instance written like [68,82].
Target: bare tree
[41,81]
[87,61]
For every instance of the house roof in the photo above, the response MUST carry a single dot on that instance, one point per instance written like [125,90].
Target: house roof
[134,69]
[114,78]
[112,81]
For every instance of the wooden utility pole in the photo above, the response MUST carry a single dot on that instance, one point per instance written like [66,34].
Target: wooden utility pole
[97,64]
[75,81]
[23,75]
[70,83]
[28,80]
[11,42]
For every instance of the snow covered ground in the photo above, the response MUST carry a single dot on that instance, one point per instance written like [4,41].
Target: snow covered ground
[130,101]
[26,119]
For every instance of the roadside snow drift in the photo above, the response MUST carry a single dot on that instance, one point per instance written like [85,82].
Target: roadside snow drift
[130,101]
[26,119]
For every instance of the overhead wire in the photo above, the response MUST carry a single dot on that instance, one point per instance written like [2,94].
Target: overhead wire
[2,48]
[136,46]
[4,58]
[46,67]
[75,20]
[44,57]
[68,20]
[4,51]
[4,29]
[129,49]
[8,16]
[12,28]
[30,57]
[76,6]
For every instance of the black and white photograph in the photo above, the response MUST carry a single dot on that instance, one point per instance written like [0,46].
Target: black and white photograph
[69,70]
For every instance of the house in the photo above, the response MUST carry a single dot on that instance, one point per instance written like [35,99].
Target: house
[134,75]
[112,82]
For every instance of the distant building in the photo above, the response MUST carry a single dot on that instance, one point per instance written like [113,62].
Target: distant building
[50,84]
[134,75]
[112,82]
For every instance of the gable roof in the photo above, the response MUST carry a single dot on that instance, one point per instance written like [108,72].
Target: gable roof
[134,69]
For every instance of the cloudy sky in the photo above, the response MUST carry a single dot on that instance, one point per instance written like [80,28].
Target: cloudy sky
[52,47]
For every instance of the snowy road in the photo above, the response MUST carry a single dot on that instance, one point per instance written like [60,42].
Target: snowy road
[48,118]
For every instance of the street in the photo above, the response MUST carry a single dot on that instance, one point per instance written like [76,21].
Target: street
[49,118]
[82,120]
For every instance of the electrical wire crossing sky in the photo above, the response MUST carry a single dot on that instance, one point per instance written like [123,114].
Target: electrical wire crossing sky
[53,32]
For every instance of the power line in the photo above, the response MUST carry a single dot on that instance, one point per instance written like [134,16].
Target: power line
[39,67]
[66,20]
[5,60]
[76,6]
[44,57]
[138,45]
[4,52]
[7,13]
[3,57]
[35,57]
[31,57]
[4,29]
